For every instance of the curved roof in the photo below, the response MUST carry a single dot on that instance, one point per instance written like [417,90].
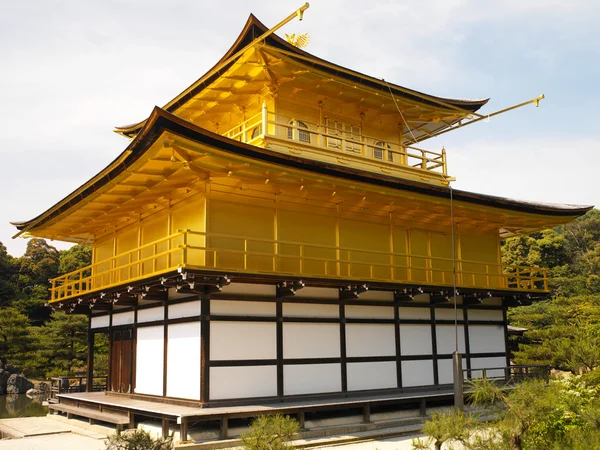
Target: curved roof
[254,28]
[161,120]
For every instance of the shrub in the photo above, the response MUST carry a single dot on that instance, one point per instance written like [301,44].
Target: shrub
[137,440]
[270,433]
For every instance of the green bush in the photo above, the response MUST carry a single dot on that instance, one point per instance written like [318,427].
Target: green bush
[270,433]
[137,440]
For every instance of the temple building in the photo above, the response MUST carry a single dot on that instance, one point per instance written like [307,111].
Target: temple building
[278,233]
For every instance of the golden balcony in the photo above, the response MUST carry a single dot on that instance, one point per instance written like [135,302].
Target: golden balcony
[236,254]
[340,144]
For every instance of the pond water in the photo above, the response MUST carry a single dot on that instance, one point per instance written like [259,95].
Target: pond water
[19,405]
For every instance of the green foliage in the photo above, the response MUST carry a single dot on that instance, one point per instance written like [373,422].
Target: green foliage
[448,425]
[137,440]
[15,338]
[270,433]
[41,343]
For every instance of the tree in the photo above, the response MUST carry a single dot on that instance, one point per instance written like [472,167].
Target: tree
[9,269]
[75,258]
[38,264]
[449,425]
[270,433]
[15,338]
[64,341]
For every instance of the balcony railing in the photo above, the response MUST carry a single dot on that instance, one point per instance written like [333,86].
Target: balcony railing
[210,251]
[347,145]
[510,375]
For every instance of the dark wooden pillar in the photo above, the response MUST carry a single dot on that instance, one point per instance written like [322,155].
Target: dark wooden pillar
[89,387]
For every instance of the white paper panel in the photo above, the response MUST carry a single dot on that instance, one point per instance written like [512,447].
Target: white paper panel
[242,340]
[369,312]
[414,313]
[446,339]
[486,339]
[387,296]
[488,363]
[310,310]
[317,292]
[149,360]
[187,309]
[183,361]
[370,340]
[311,340]
[235,308]
[268,290]
[243,382]
[417,373]
[445,375]
[124,318]
[100,321]
[496,301]
[448,314]
[151,314]
[372,375]
[482,314]
[311,379]
[415,339]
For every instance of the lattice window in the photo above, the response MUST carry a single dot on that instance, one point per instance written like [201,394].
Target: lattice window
[303,135]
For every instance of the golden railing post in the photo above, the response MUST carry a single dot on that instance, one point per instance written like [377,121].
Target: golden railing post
[301,258]
[245,254]
[265,119]
[184,253]
[154,252]
[444,166]
[545,275]
[423,160]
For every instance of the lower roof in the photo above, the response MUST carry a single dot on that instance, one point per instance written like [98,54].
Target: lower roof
[161,122]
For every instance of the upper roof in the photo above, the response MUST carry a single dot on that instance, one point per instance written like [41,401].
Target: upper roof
[254,29]
[162,125]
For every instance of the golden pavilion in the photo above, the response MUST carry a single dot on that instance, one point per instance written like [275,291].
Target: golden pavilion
[278,233]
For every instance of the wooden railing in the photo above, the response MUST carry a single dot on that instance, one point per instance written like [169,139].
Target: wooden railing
[195,249]
[511,374]
[65,385]
[346,145]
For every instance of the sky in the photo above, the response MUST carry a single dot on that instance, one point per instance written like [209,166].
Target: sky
[72,70]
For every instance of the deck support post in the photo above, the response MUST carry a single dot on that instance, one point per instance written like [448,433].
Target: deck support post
[131,416]
[183,429]
[89,386]
[165,427]
[301,420]
[457,370]
[423,407]
[224,424]
[367,413]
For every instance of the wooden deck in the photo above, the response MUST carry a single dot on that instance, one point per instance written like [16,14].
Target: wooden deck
[102,401]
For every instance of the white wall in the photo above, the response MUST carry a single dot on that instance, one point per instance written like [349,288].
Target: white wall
[151,314]
[486,338]
[414,313]
[238,308]
[310,310]
[448,314]
[371,375]
[183,361]
[242,340]
[482,314]
[149,360]
[242,382]
[370,340]
[311,378]
[100,321]
[486,363]
[187,309]
[417,373]
[446,339]
[445,375]
[369,312]
[124,318]
[415,339]
[252,289]
[311,340]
